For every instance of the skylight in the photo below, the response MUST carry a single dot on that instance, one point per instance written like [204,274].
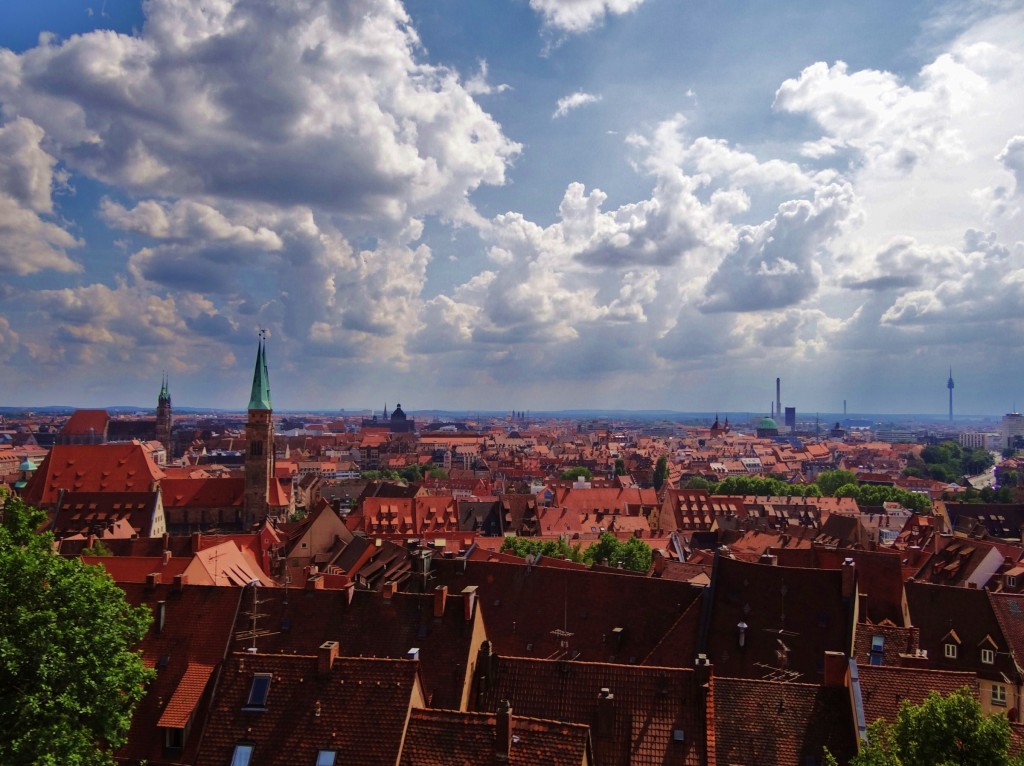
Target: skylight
[325,758]
[258,692]
[241,755]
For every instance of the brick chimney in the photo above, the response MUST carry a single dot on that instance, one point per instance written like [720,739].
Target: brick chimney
[849,578]
[197,542]
[326,655]
[152,580]
[180,581]
[389,590]
[604,715]
[503,732]
[837,669]
[440,600]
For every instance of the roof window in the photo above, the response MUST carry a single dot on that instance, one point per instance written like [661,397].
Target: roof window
[258,692]
[241,755]
[325,758]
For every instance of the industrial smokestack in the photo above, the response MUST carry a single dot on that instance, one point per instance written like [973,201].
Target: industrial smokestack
[778,396]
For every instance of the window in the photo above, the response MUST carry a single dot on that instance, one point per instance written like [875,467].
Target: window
[988,656]
[999,695]
[950,651]
[258,692]
[325,758]
[174,739]
[241,755]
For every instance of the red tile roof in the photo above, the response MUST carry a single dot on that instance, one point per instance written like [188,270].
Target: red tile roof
[783,724]
[883,688]
[447,737]
[85,511]
[523,606]
[213,492]
[118,467]
[86,422]
[359,708]
[636,725]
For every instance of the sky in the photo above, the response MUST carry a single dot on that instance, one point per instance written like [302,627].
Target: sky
[513,204]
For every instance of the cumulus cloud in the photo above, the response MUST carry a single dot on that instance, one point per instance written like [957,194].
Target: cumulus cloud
[573,101]
[1012,157]
[479,85]
[31,238]
[575,16]
[774,264]
[306,103]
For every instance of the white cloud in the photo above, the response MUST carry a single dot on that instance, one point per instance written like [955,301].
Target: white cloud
[29,240]
[315,103]
[478,84]
[574,101]
[575,16]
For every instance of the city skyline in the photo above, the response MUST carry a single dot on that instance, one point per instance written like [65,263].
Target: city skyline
[604,205]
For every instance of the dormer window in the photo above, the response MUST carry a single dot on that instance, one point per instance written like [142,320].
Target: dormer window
[258,691]
[950,651]
[988,656]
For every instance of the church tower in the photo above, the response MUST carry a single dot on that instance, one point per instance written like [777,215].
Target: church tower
[164,418]
[259,435]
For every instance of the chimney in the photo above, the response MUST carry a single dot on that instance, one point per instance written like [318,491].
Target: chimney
[180,581]
[440,600]
[702,669]
[918,659]
[849,578]
[167,557]
[197,539]
[389,590]
[604,716]
[90,540]
[314,582]
[484,666]
[161,616]
[503,732]
[469,601]
[152,580]
[350,590]
[167,540]
[837,669]
[769,559]
[326,656]
[660,563]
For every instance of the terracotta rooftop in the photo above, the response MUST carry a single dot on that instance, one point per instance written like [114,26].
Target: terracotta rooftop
[884,689]
[783,724]
[121,467]
[357,708]
[637,715]
[446,737]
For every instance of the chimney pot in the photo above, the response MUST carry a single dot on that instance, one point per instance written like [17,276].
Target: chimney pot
[469,601]
[180,581]
[152,580]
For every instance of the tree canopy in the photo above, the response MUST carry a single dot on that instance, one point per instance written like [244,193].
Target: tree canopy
[941,731]
[577,472]
[70,678]
[877,495]
[634,554]
[660,472]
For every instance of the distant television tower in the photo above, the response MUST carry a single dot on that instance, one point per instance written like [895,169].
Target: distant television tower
[949,385]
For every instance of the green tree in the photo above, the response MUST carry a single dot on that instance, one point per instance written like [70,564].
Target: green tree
[699,482]
[411,474]
[620,467]
[577,472]
[660,472]
[941,731]
[876,495]
[830,481]
[524,546]
[437,473]
[69,676]
[633,554]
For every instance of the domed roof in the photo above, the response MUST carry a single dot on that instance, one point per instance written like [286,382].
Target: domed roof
[767,424]
[398,414]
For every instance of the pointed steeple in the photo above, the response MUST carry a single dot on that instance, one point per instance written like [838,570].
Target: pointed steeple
[260,397]
[165,394]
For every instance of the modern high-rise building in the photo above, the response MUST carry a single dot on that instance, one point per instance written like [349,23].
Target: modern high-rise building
[1013,426]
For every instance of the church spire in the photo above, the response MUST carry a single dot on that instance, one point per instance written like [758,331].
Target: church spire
[260,397]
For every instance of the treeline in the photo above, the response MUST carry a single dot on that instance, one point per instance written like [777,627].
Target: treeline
[634,554]
[827,484]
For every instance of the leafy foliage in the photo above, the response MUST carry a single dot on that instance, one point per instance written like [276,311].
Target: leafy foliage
[524,546]
[70,678]
[941,731]
[829,481]
[577,472]
[876,495]
[634,554]
[762,485]
[660,472]
[949,462]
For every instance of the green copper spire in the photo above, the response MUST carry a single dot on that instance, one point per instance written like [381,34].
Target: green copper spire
[165,395]
[260,397]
